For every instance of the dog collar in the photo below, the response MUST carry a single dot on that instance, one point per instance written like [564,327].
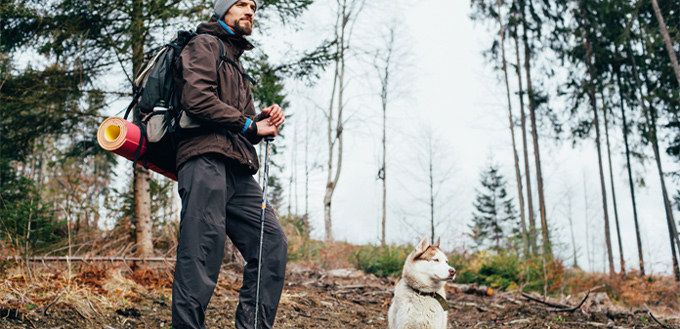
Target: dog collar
[442,301]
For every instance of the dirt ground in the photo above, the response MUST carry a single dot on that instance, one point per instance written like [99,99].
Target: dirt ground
[313,298]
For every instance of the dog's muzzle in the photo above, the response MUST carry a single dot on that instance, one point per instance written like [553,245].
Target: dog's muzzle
[452,273]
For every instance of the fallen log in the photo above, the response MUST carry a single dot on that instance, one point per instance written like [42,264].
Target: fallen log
[474,289]
[88,259]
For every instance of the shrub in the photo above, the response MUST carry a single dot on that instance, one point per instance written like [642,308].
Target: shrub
[381,261]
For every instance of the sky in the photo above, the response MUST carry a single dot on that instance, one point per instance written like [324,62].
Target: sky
[444,89]
[448,90]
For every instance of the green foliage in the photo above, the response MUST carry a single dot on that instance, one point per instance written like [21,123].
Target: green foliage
[495,218]
[26,224]
[307,250]
[506,270]
[497,270]
[380,261]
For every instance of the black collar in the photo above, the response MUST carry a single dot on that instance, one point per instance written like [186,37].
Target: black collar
[442,301]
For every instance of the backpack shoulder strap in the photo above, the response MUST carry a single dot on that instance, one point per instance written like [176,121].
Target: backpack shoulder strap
[224,58]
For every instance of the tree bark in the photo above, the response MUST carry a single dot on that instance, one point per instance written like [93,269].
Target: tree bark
[527,169]
[611,181]
[667,40]
[518,174]
[141,177]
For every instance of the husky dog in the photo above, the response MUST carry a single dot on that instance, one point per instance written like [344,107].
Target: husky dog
[419,298]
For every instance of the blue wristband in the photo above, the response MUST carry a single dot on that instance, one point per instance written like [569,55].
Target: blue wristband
[245,127]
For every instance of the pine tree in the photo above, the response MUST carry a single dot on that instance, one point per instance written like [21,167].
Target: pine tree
[495,217]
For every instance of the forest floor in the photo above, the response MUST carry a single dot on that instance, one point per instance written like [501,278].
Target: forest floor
[107,298]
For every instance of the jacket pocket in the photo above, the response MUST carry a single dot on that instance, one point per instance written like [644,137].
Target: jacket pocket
[246,157]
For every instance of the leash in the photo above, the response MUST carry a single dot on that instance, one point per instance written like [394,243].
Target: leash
[265,168]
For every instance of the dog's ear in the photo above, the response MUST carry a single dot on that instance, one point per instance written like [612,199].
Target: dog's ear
[439,239]
[424,243]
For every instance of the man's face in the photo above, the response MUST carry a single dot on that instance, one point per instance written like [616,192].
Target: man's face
[240,17]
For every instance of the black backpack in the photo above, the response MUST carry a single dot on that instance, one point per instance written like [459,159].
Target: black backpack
[157,111]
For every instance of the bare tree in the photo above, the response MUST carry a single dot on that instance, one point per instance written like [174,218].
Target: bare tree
[348,10]
[434,167]
[571,226]
[389,63]
[383,63]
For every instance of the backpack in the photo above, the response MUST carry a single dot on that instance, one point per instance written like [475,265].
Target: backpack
[157,111]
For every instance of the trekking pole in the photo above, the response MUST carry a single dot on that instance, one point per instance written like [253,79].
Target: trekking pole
[265,169]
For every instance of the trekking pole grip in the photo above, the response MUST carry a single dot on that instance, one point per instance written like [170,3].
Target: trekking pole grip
[269,138]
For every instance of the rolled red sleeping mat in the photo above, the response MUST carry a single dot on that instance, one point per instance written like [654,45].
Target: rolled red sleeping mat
[121,137]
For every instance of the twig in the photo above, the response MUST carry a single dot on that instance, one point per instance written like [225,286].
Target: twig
[75,310]
[573,308]
[649,311]
[560,307]
[532,298]
[53,302]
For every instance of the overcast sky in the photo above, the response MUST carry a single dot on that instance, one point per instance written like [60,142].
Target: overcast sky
[447,90]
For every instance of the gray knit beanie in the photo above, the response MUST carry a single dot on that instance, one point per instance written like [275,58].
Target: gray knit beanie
[222,7]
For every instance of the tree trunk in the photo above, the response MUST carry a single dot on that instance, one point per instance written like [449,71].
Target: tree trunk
[586,207]
[527,170]
[547,249]
[630,173]
[335,135]
[650,116]
[518,174]
[672,230]
[330,187]
[593,104]
[431,172]
[143,223]
[667,40]
[611,181]
[384,74]
[384,168]
[571,226]
[305,219]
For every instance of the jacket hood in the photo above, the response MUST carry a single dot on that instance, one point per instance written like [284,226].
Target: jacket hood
[213,27]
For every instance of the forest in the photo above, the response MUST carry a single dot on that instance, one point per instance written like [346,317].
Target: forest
[89,241]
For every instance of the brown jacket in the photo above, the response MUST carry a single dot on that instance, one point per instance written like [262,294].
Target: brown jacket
[219,99]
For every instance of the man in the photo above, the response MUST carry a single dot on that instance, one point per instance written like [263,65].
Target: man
[215,166]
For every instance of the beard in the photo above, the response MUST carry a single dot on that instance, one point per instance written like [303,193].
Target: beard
[243,27]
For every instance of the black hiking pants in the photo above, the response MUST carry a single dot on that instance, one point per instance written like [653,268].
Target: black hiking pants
[216,203]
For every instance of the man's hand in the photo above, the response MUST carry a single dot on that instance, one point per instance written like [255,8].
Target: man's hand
[264,128]
[274,115]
